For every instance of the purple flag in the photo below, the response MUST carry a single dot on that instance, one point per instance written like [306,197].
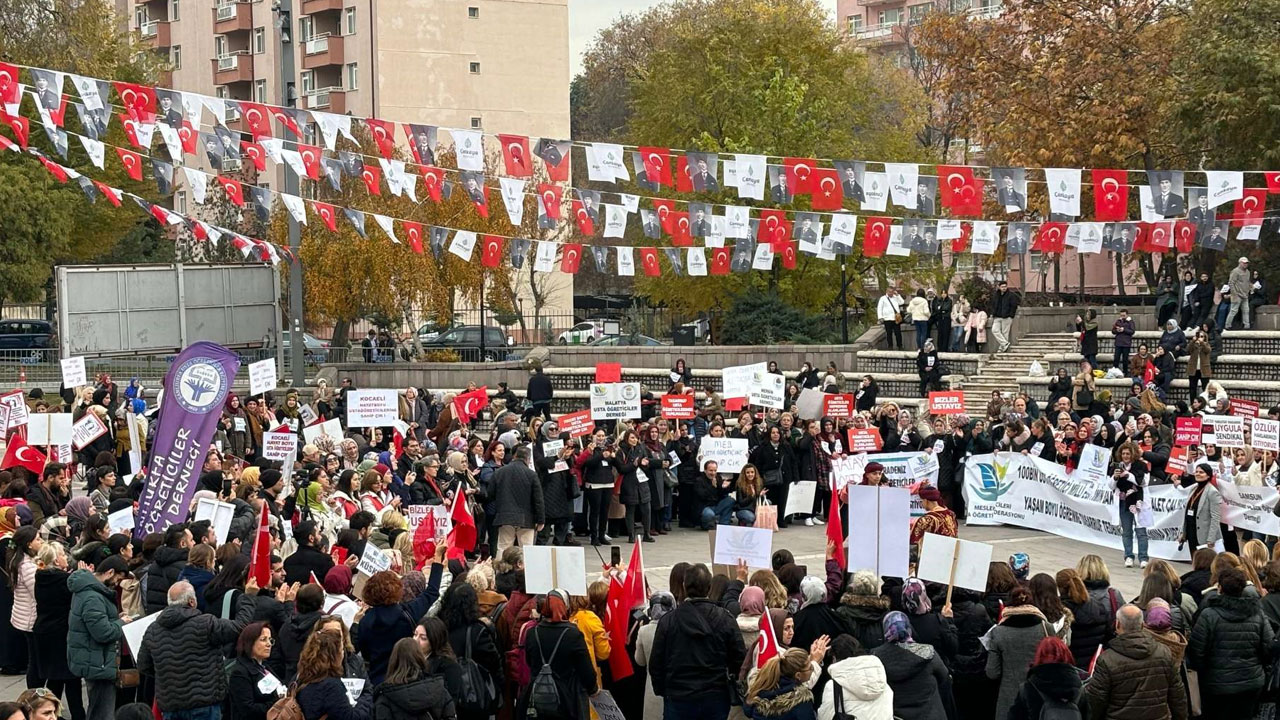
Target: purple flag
[194,390]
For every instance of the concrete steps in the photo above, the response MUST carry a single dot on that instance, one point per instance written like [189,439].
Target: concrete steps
[1000,371]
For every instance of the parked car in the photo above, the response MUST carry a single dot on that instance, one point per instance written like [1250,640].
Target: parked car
[465,339]
[313,348]
[582,333]
[629,340]
[25,338]
[431,329]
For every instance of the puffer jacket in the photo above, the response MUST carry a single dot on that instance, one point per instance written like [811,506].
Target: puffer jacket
[1093,622]
[921,687]
[972,622]
[182,651]
[1058,681]
[94,634]
[23,616]
[293,635]
[789,701]
[423,699]
[163,572]
[328,699]
[864,690]
[1230,645]
[1136,679]
[864,613]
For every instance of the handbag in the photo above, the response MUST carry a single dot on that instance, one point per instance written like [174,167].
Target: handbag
[766,514]
[1084,397]
[1193,693]
[897,317]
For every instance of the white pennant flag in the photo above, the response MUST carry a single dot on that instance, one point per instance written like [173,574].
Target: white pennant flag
[544,259]
[630,202]
[1147,204]
[192,108]
[213,233]
[389,226]
[198,181]
[463,244]
[596,171]
[875,191]
[615,220]
[626,262]
[144,131]
[469,147]
[293,159]
[409,182]
[896,245]
[216,107]
[729,168]
[1224,186]
[296,207]
[95,149]
[715,238]
[87,88]
[843,227]
[903,183]
[610,157]
[949,229]
[273,147]
[696,262]
[737,222]
[986,237]
[513,198]
[171,141]
[329,125]
[1089,239]
[763,259]
[751,176]
[393,179]
[1064,190]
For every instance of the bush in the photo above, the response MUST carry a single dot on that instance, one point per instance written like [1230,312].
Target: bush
[442,356]
[976,290]
[764,319]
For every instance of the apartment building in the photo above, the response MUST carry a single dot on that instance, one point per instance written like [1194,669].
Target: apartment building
[884,26]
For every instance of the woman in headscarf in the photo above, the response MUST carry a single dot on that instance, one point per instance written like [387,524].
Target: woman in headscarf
[816,619]
[237,426]
[660,603]
[916,673]
[78,511]
[751,607]
[929,625]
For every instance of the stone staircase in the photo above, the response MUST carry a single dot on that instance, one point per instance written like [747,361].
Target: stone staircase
[1001,371]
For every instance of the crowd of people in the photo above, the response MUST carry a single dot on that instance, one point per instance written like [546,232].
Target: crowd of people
[954,324]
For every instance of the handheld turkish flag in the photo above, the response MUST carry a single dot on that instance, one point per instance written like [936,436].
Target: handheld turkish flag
[827,194]
[372,177]
[960,244]
[433,178]
[463,535]
[256,154]
[20,454]
[649,261]
[384,136]
[635,589]
[961,191]
[875,238]
[657,164]
[1052,238]
[570,257]
[424,541]
[131,161]
[550,195]
[617,618]
[327,216]
[835,531]
[232,188]
[260,560]
[491,255]
[310,160]
[767,646]
[800,175]
[1110,194]
[684,181]
[413,232]
[515,155]
[467,406]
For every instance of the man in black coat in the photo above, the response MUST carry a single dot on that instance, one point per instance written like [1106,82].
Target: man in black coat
[695,646]
[517,508]
[940,317]
[166,565]
[299,566]
[539,394]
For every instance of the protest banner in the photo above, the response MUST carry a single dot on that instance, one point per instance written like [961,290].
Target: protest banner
[770,391]
[800,498]
[736,542]
[438,515]
[679,407]
[608,372]
[17,404]
[372,408]
[73,372]
[547,567]
[1228,430]
[1266,434]
[847,470]
[89,428]
[1244,408]
[1186,431]
[219,515]
[279,445]
[879,529]
[615,401]
[958,563]
[742,380]
[864,440]
[331,429]
[48,429]
[837,406]
[729,454]
[947,402]
[577,424]
[262,376]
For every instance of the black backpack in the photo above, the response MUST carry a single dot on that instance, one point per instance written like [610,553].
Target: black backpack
[1055,709]
[544,700]
[479,695]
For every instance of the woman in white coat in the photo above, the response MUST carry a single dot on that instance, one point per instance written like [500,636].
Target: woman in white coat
[858,686]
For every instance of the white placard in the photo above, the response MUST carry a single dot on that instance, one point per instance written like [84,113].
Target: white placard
[121,521]
[17,405]
[375,408]
[331,429]
[972,561]
[73,372]
[89,428]
[438,515]
[879,529]
[741,380]
[219,515]
[308,415]
[49,429]
[614,401]
[374,560]
[1266,435]
[547,568]
[809,404]
[730,454]
[734,543]
[770,392]
[1094,460]
[279,446]
[134,631]
[353,686]
[800,498]
[1228,430]
[551,447]
[262,376]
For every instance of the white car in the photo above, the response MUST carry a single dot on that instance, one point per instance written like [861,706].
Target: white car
[582,333]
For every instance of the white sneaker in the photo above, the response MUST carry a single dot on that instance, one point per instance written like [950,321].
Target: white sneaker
[1143,564]
[819,521]
[1128,562]
[808,522]
[607,539]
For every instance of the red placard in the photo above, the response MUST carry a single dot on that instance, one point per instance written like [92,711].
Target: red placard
[577,424]
[1244,408]
[608,372]
[678,407]
[946,402]
[864,440]
[1177,463]
[837,406]
[1187,431]
[734,404]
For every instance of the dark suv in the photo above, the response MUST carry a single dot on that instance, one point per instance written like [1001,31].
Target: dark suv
[25,338]
[465,340]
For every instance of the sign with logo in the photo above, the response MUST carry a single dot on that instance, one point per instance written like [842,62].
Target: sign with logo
[679,407]
[615,401]
[372,408]
[1187,431]
[1228,430]
[89,428]
[742,380]
[770,391]
[946,403]
[864,440]
[838,406]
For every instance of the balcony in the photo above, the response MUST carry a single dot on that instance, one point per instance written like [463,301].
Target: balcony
[311,7]
[156,33]
[330,99]
[229,69]
[870,3]
[232,17]
[887,34]
[322,50]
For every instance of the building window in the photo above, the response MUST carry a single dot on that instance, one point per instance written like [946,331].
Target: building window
[891,16]
[220,91]
[175,57]
[180,202]
[917,13]
[855,24]
[259,40]
[173,10]
[308,82]
[220,45]
[306,28]
[140,16]
[349,17]
[959,5]
[473,12]
[260,91]
[353,76]
[475,123]
[475,68]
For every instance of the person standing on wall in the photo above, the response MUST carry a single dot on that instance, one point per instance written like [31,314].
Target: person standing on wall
[889,312]
[1004,305]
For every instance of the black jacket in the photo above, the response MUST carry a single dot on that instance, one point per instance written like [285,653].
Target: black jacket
[972,622]
[484,649]
[1194,583]
[635,485]
[921,688]
[694,646]
[557,500]
[539,388]
[517,496]
[306,560]
[182,650]
[293,635]
[940,632]
[1004,304]
[1093,623]
[864,613]
[53,612]
[246,701]
[328,698]
[571,665]
[163,572]
[768,458]
[426,698]
[1058,681]
[815,620]
[864,398]
[1230,645]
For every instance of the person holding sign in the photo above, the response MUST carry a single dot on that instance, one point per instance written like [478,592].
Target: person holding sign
[1128,480]
[235,423]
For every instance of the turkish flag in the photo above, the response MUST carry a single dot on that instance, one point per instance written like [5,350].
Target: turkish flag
[482,205]
[260,559]
[1052,238]
[1110,195]
[131,161]
[257,119]
[235,193]
[10,88]
[139,101]
[570,257]
[188,135]
[680,229]
[112,195]
[22,130]
[130,129]
[1249,209]
[635,589]
[649,261]
[961,190]
[720,261]
[875,238]
[310,160]
[286,119]
[834,533]
[199,229]
[1273,181]
[20,454]
[515,155]
[774,228]
[491,255]
[586,226]
[1184,236]
[413,233]
[665,208]
[657,164]
[433,178]
[616,620]
[827,194]
[462,537]
[54,168]
[1161,236]
[327,216]
[1142,238]
[467,406]
[551,199]
[557,163]
[160,214]
[684,181]
[800,175]
[960,244]
[767,647]
[384,136]
[372,176]
[789,256]
[256,154]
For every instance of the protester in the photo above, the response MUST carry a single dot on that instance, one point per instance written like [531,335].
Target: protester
[1230,648]
[1004,306]
[1012,646]
[693,646]
[1052,687]
[94,632]
[251,687]
[778,691]
[889,312]
[858,687]
[321,693]
[410,689]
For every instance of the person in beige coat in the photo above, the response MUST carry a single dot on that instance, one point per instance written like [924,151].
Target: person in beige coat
[1083,381]
[1199,362]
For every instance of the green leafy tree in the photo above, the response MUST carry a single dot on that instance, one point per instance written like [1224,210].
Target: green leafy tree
[764,319]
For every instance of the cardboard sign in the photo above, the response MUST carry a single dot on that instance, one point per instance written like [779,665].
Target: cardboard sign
[1244,408]
[121,521]
[1228,430]
[800,498]
[608,372]
[1177,462]
[940,556]
[49,429]
[847,470]
[262,376]
[679,407]
[810,403]
[134,631]
[73,372]
[770,391]
[615,401]
[946,402]
[354,688]
[547,568]
[1186,431]
[438,515]
[742,380]
[864,440]
[374,560]
[1094,460]
[837,406]
[219,515]
[879,529]
[577,424]
[734,543]
[729,454]
[372,408]
[17,405]
[1266,434]
[606,707]
[309,416]
[279,446]
[331,429]
[89,428]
